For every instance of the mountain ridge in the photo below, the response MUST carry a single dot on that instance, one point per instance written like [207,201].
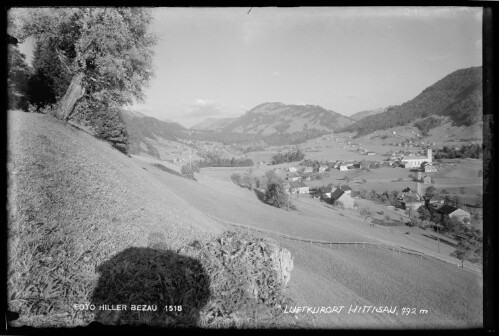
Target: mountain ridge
[458,95]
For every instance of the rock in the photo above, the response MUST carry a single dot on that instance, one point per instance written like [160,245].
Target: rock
[282,262]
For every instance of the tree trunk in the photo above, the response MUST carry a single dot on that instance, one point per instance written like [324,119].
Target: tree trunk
[74,92]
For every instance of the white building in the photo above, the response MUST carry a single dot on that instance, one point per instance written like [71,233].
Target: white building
[416,161]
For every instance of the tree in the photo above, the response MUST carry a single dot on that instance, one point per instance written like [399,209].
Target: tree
[17,78]
[107,52]
[424,213]
[275,195]
[430,191]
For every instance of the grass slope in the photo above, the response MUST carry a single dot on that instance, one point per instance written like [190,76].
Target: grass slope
[367,276]
[74,202]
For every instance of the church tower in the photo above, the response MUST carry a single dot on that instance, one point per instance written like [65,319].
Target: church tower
[429,154]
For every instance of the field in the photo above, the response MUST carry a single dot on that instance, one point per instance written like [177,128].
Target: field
[109,202]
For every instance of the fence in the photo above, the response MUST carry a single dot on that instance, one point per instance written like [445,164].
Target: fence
[330,244]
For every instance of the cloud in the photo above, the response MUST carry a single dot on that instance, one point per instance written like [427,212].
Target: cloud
[275,74]
[300,103]
[203,108]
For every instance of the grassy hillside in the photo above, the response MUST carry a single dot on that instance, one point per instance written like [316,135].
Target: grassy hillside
[458,95]
[362,114]
[74,203]
[81,212]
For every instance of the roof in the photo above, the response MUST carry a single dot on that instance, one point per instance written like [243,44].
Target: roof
[328,189]
[337,193]
[297,185]
[410,199]
[447,209]
[412,158]
[345,187]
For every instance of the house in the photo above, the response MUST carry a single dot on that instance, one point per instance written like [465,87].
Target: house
[293,178]
[409,201]
[292,169]
[326,192]
[342,198]
[278,170]
[308,170]
[371,153]
[429,167]
[346,188]
[427,179]
[416,161]
[322,169]
[453,212]
[298,188]
[343,167]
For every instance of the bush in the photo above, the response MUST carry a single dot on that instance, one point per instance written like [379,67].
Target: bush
[365,211]
[188,172]
[276,196]
[247,280]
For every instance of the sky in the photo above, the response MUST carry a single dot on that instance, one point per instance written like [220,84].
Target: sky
[221,62]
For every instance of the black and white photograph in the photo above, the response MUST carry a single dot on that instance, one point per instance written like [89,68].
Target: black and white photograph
[245,168]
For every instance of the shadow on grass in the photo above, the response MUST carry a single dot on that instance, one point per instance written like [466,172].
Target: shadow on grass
[153,279]
[442,240]
[260,195]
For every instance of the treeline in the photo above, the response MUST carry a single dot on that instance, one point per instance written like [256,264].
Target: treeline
[474,151]
[257,140]
[459,92]
[385,198]
[427,124]
[291,156]
[213,160]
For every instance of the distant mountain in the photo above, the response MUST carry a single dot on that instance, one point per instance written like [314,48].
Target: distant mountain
[146,132]
[279,118]
[213,124]
[458,95]
[362,114]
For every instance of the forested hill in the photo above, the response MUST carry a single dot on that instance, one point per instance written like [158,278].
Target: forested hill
[458,95]
[279,118]
[142,128]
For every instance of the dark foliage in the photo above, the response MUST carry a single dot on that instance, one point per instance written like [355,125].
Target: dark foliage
[425,125]
[474,151]
[17,79]
[291,156]
[106,123]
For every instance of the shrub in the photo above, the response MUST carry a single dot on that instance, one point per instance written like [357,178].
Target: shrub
[276,196]
[247,278]
[188,172]
[365,211]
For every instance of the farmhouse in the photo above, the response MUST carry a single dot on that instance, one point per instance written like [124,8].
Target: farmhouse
[416,161]
[427,179]
[326,192]
[453,212]
[298,188]
[409,201]
[322,169]
[346,188]
[342,198]
[429,167]
[293,177]
[308,170]
[292,169]
[343,167]
[371,153]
